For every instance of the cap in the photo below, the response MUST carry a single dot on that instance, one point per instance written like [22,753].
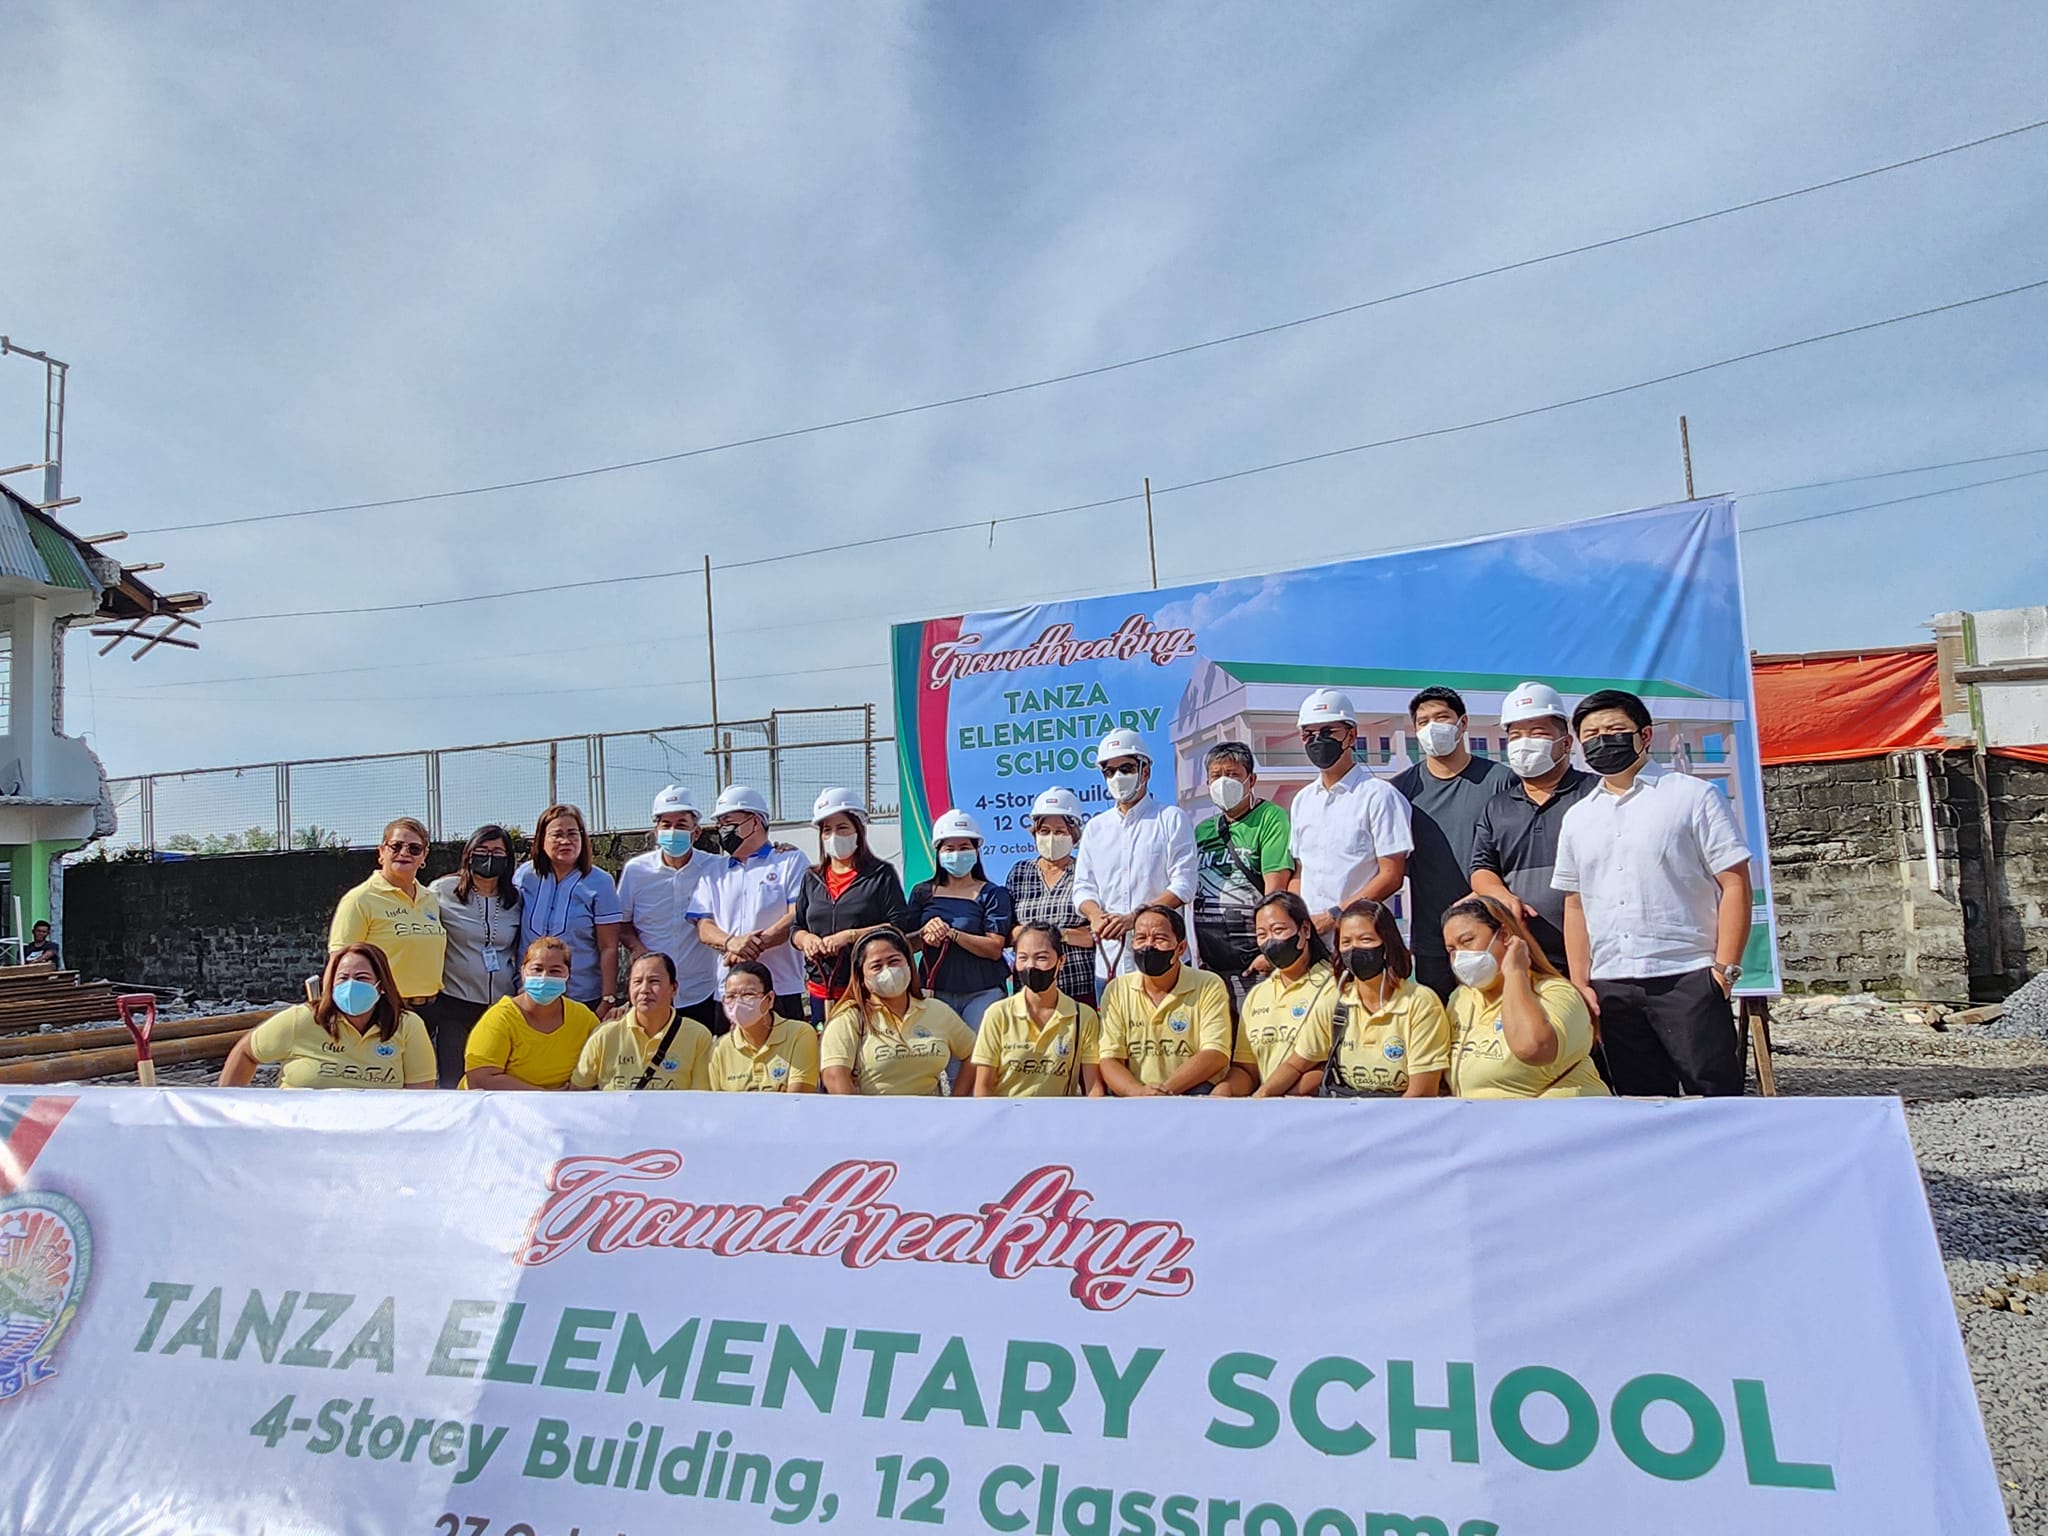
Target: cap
[1122,743]
[955,824]
[1533,701]
[839,802]
[672,800]
[1057,802]
[738,797]
[1327,706]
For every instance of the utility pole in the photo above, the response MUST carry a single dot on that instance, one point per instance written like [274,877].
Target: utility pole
[1151,544]
[1685,448]
[54,373]
[711,647]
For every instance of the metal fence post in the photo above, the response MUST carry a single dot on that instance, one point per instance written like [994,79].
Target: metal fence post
[284,807]
[868,755]
[434,796]
[149,812]
[593,767]
[554,766]
[774,766]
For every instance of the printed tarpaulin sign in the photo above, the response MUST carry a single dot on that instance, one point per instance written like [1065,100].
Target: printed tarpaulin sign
[540,1314]
[992,708]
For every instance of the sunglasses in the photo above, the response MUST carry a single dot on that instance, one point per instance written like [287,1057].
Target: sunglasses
[1129,766]
[407,847]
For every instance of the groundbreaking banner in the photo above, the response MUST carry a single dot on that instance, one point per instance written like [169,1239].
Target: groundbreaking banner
[991,708]
[539,1315]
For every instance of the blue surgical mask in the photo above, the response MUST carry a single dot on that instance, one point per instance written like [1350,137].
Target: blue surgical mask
[544,989]
[958,861]
[672,841]
[354,996]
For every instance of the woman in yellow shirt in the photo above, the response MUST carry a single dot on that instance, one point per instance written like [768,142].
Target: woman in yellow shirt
[1386,1035]
[1521,1030]
[762,1052]
[888,1038]
[1299,989]
[356,1034]
[393,911]
[1039,1043]
[651,1044]
[534,1038]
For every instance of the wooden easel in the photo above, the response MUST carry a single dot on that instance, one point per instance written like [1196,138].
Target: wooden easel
[1753,1021]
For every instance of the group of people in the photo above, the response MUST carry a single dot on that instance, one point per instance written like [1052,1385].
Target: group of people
[1573,932]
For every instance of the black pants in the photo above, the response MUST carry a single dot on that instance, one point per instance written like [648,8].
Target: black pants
[707,1013]
[1666,1035]
[1434,972]
[449,1020]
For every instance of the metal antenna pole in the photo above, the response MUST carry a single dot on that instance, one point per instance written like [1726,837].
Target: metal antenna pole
[1685,447]
[1151,544]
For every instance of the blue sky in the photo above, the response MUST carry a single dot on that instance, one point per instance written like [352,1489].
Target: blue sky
[301,258]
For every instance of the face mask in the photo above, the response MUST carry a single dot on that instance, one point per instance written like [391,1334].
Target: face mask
[1227,793]
[1038,978]
[1325,751]
[1615,752]
[1125,786]
[1153,962]
[1531,756]
[1053,846]
[488,866]
[839,845]
[672,841]
[544,989]
[354,995]
[1475,967]
[1281,953]
[1365,963]
[958,861]
[729,840]
[745,1009]
[1440,738]
[890,981]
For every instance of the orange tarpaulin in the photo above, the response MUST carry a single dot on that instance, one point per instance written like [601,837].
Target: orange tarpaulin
[1827,710]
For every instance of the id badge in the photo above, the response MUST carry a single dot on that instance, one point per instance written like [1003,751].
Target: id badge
[494,960]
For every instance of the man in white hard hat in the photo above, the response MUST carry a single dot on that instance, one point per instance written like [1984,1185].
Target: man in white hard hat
[1514,843]
[656,889]
[1139,853]
[1350,838]
[746,910]
[1445,792]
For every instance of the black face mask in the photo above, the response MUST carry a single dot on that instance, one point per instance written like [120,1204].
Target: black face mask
[729,840]
[1153,962]
[1037,978]
[1281,953]
[1365,963]
[1613,752]
[488,866]
[1325,751]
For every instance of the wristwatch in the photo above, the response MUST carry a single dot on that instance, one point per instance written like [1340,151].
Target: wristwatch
[1729,973]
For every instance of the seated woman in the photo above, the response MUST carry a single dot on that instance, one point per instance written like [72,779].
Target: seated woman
[356,1034]
[1299,989]
[1165,1025]
[762,1052]
[888,1038]
[652,1044]
[1521,1031]
[1387,1035]
[534,1038]
[1038,1043]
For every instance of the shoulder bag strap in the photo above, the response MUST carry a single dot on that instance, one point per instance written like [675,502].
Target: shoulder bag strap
[668,1037]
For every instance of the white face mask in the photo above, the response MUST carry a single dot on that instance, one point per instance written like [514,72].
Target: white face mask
[1053,846]
[1125,786]
[745,1009]
[890,981]
[839,845]
[1532,756]
[1227,793]
[1475,967]
[1440,738]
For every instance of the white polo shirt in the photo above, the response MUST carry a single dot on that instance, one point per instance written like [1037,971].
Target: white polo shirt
[1126,858]
[655,899]
[1341,833]
[1644,866]
[751,894]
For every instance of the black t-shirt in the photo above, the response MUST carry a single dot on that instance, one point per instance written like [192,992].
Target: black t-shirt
[1446,817]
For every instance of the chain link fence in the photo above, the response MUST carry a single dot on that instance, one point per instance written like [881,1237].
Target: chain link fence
[346,802]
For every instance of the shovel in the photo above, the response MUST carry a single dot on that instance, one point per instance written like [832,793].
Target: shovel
[138,1013]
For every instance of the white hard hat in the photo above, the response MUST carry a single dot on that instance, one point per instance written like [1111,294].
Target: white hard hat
[1122,743]
[955,824]
[671,801]
[738,797]
[1057,802]
[839,802]
[1533,701]
[1327,706]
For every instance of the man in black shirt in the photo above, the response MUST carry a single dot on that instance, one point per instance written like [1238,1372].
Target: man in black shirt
[1514,846]
[41,950]
[1447,790]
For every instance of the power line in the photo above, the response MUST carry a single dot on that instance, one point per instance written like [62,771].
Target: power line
[1888,474]
[1896,501]
[1157,491]
[1144,359]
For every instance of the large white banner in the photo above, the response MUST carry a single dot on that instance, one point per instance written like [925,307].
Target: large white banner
[580,1315]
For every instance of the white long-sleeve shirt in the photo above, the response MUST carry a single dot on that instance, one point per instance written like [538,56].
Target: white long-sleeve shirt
[1126,858]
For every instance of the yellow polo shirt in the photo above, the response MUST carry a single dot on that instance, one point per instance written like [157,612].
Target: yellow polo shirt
[1155,1040]
[1277,1011]
[409,932]
[1034,1063]
[352,1060]
[615,1057]
[1482,1066]
[897,1059]
[785,1061]
[503,1039]
[1409,1033]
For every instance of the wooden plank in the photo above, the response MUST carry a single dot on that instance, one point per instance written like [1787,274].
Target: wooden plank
[93,1039]
[116,1061]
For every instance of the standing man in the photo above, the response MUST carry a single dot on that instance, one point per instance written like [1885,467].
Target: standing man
[655,891]
[1140,853]
[1241,858]
[1656,909]
[1445,792]
[746,910]
[1514,847]
[1351,838]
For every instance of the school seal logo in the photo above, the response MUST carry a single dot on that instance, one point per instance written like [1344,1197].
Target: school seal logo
[45,1264]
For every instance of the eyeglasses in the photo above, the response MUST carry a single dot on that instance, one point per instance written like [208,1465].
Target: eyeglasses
[407,847]
[1127,765]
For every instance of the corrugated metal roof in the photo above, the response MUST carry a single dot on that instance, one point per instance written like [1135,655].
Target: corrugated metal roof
[34,549]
